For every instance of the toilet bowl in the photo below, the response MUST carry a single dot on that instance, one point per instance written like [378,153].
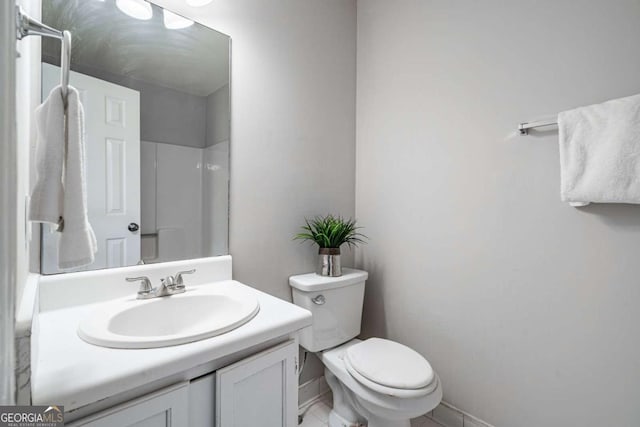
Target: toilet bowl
[375,382]
[364,401]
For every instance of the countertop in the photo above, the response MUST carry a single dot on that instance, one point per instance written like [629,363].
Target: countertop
[68,371]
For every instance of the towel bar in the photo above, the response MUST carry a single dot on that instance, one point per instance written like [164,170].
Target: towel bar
[524,127]
[27,26]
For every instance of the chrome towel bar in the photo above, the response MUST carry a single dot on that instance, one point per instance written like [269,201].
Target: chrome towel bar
[524,127]
[27,26]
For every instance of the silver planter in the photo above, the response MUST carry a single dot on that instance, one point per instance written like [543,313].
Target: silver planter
[329,262]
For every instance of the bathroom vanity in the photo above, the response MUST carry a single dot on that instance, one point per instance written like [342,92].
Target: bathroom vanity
[245,376]
[216,352]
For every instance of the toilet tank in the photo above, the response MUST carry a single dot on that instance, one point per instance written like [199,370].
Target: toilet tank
[336,306]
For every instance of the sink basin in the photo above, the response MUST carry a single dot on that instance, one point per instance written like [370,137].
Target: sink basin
[194,315]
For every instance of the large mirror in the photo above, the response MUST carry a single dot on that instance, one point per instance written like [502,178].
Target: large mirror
[155,90]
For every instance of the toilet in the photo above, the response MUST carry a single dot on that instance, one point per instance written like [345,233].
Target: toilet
[375,382]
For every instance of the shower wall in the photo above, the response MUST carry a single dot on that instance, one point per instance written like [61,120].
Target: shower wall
[178,224]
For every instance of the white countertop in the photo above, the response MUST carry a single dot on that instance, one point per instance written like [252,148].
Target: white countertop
[70,372]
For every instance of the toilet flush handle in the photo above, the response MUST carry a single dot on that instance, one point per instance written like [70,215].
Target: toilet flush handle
[318,299]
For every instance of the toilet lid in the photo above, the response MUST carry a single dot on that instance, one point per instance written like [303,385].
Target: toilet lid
[390,364]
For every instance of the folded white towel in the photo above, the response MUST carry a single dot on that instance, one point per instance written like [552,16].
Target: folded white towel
[47,194]
[600,153]
[61,148]
[78,244]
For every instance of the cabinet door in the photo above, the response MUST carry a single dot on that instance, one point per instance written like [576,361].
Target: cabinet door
[202,401]
[260,390]
[165,408]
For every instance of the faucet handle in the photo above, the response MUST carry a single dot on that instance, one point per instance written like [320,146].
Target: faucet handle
[179,280]
[145,285]
[168,282]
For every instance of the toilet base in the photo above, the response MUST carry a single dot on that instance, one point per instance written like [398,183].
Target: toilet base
[335,420]
[343,413]
[373,422]
[347,412]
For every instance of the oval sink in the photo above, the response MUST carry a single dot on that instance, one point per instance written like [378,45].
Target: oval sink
[166,321]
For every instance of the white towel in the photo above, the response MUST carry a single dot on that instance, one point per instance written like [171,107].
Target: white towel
[47,194]
[62,199]
[600,153]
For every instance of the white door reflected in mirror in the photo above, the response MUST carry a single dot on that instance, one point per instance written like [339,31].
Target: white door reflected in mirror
[112,134]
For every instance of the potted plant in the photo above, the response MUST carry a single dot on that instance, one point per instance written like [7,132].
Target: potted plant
[330,232]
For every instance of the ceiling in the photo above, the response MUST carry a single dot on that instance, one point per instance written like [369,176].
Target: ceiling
[194,60]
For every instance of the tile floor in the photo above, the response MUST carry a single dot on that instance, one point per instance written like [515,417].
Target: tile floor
[318,416]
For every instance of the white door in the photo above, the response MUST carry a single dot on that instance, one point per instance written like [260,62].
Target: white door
[112,136]
[261,390]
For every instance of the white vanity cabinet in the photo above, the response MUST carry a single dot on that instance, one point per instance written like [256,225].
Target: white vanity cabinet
[260,390]
[202,400]
[165,408]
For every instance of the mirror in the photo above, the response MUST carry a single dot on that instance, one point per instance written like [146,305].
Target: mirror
[155,91]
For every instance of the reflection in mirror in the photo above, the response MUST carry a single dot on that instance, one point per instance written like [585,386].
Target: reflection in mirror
[155,91]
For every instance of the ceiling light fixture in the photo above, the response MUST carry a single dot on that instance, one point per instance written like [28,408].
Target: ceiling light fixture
[139,9]
[198,3]
[175,22]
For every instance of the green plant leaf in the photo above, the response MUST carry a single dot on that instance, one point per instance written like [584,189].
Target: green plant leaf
[331,232]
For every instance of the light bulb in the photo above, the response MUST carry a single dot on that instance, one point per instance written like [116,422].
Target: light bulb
[175,22]
[139,9]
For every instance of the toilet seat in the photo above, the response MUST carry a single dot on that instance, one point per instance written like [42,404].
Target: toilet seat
[390,368]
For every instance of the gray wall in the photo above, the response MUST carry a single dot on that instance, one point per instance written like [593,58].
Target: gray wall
[171,116]
[166,115]
[526,307]
[218,116]
[292,127]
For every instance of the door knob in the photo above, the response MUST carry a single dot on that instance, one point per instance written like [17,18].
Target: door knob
[133,227]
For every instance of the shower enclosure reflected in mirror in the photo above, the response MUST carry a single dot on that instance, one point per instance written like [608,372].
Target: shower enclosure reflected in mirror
[155,90]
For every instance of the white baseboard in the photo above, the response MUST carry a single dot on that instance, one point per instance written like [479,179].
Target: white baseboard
[448,415]
[444,414]
[311,392]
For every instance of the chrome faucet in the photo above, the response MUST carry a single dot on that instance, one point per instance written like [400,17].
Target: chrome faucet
[168,286]
[179,280]
[146,290]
